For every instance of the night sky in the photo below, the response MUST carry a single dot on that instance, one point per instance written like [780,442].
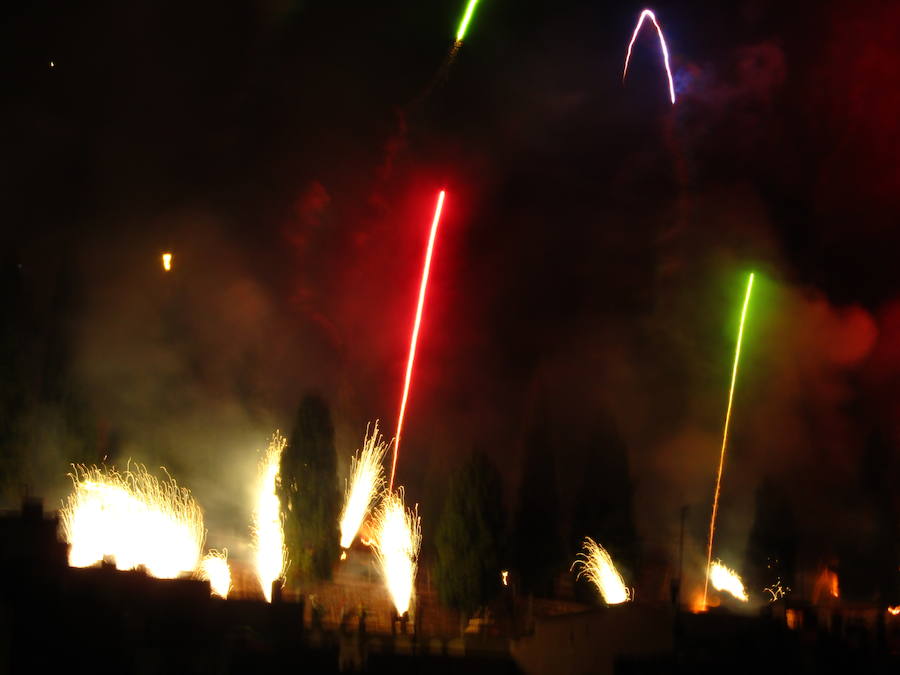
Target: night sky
[588,274]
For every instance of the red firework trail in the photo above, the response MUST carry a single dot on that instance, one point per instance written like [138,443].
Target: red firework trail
[415,332]
[648,14]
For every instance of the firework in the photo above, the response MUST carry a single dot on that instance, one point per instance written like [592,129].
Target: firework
[734,372]
[396,546]
[894,611]
[214,569]
[167,261]
[777,591]
[467,17]
[648,14]
[596,565]
[366,481]
[269,554]
[415,333]
[724,579]
[133,518]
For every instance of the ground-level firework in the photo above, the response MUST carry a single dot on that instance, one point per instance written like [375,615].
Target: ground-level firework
[134,519]
[167,261]
[214,569]
[464,23]
[415,332]
[724,579]
[596,565]
[269,553]
[648,14]
[398,536]
[365,483]
[734,373]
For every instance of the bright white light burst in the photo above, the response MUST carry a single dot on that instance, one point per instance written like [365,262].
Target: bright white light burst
[214,569]
[398,536]
[596,565]
[724,579]
[366,481]
[134,519]
[269,554]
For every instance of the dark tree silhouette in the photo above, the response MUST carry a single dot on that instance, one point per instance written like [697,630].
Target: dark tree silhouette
[772,544]
[868,558]
[537,551]
[14,349]
[603,506]
[308,491]
[469,536]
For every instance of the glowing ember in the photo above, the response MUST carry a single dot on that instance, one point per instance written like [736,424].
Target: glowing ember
[415,333]
[167,261]
[269,553]
[734,373]
[597,566]
[467,17]
[366,482]
[647,14]
[504,577]
[724,579]
[134,519]
[214,569]
[398,536]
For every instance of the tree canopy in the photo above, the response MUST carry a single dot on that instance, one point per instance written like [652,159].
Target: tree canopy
[309,494]
[470,534]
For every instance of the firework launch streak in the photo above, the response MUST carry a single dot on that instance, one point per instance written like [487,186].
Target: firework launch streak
[415,333]
[734,372]
[647,14]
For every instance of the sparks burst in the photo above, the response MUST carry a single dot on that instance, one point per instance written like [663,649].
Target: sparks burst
[269,553]
[724,579]
[596,565]
[776,591]
[648,14]
[398,536]
[366,482]
[214,569]
[134,519]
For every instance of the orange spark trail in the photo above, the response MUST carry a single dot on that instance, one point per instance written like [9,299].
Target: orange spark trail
[648,14]
[415,333]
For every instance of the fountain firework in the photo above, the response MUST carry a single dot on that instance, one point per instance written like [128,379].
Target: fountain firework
[398,536]
[214,569]
[269,554]
[724,579]
[133,518]
[366,482]
[596,565]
